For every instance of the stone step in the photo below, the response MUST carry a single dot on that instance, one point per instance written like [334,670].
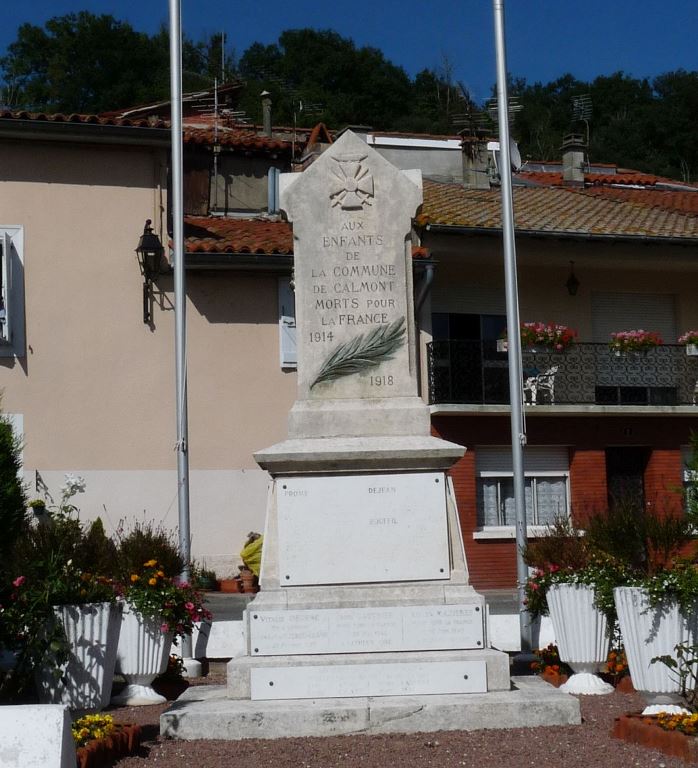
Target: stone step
[206,712]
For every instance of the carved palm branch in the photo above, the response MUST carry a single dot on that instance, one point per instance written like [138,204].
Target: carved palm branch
[363,351]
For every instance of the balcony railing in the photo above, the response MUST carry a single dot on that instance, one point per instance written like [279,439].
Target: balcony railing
[475,372]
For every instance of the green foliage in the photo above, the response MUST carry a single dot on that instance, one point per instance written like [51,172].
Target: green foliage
[684,668]
[176,605]
[637,123]
[144,542]
[82,62]
[644,541]
[12,495]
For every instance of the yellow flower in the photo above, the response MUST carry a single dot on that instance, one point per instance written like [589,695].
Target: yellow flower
[152,581]
[134,577]
[150,563]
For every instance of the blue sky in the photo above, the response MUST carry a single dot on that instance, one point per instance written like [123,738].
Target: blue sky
[545,38]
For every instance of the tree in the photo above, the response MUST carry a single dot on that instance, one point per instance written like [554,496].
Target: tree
[345,84]
[87,63]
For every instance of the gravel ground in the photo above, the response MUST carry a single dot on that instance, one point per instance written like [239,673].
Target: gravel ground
[588,745]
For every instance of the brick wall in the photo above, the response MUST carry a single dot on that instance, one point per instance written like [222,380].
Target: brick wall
[492,563]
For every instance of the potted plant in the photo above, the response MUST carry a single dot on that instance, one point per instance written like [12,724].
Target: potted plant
[63,611]
[157,609]
[634,342]
[580,603]
[656,603]
[690,341]
[535,336]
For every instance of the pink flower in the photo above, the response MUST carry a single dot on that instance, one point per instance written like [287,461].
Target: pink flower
[164,627]
[189,606]
[534,586]
[19,581]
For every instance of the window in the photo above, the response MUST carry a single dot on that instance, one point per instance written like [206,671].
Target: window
[11,292]
[287,324]
[690,478]
[546,473]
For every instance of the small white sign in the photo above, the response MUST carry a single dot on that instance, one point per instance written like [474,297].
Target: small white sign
[362,528]
[360,630]
[350,680]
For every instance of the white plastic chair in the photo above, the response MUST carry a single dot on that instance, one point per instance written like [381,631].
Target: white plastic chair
[541,382]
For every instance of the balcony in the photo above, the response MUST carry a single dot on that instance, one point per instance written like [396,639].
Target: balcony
[476,373]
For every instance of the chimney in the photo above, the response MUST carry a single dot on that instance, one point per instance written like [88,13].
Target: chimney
[573,160]
[475,163]
[266,112]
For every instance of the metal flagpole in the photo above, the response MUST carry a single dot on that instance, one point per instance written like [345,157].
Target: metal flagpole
[192,667]
[518,431]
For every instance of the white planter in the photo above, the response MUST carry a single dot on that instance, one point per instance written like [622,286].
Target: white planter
[692,350]
[85,681]
[648,632]
[142,655]
[580,633]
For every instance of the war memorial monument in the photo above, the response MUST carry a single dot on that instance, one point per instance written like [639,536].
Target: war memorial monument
[365,621]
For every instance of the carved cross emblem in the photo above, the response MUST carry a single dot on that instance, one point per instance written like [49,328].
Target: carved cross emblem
[355,183]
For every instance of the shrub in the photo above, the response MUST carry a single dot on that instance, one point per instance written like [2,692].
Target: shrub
[13,501]
[145,542]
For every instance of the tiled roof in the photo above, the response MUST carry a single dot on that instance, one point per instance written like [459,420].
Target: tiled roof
[238,138]
[673,200]
[196,130]
[554,210]
[58,117]
[218,234]
[554,178]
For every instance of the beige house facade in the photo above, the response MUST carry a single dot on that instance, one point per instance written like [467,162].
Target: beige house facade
[89,385]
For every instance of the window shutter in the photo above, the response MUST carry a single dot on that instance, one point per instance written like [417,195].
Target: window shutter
[611,312]
[6,288]
[549,458]
[287,324]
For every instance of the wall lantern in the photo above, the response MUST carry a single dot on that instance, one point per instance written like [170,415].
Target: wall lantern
[150,253]
[572,282]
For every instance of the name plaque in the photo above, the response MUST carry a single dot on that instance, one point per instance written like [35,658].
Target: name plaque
[362,528]
[351,680]
[360,630]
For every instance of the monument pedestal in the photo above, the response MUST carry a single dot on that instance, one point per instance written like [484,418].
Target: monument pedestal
[365,619]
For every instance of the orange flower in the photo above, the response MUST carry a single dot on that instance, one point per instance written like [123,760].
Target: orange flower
[161,574]
[152,581]
[151,564]
[134,577]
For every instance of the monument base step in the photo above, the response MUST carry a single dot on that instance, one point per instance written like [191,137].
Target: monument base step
[206,712]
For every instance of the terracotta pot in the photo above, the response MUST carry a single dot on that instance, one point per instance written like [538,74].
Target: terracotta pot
[249,581]
[230,585]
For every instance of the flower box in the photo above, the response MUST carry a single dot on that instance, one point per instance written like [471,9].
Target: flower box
[642,730]
[124,741]
[639,341]
[692,350]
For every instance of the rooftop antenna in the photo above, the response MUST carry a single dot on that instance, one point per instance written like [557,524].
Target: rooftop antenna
[216,144]
[222,56]
[582,110]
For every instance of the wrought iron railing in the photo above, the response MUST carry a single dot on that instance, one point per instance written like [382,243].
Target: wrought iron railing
[586,374]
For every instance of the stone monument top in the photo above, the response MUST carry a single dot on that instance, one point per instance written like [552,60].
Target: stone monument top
[352,214]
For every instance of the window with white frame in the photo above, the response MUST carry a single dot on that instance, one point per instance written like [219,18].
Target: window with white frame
[690,478]
[546,471]
[12,342]
[287,324]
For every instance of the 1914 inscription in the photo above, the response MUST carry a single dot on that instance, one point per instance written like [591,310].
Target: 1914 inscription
[351,213]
